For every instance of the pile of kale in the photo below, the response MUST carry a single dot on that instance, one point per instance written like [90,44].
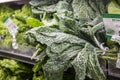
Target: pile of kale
[66,33]
[73,35]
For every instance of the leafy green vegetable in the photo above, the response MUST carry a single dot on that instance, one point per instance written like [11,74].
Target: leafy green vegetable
[12,70]
[94,67]
[24,11]
[67,46]
[40,77]
[86,11]
[63,50]
[18,16]
[5,10]
[114,7]
[34,22]
[50,22]
[79,64]
[39,65]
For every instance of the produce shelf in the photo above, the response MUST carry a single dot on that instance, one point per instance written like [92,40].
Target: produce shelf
[22,57]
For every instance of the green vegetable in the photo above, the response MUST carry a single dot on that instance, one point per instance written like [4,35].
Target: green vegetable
[114,7]
[39,65]
[100,32]
[24,11]
[63,50]
[40,77]
[97,20]
[30,21]
[6,10]
[34,22]
[86,11]
[12,70]
[71,38]
[94,67]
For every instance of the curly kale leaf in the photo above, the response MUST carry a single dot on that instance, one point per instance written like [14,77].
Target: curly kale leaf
[63,50]
[80,64]
[94,67]
[87,62]
[87,10]
[56,65]
[76,28]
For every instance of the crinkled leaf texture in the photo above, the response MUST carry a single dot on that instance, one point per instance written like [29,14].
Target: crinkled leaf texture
[65,50]
[93,65]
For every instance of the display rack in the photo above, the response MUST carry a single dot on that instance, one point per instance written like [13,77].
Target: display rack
[22,54]
[22,57]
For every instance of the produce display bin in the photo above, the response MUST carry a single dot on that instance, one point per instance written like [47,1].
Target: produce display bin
[24,53]
[24,57]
